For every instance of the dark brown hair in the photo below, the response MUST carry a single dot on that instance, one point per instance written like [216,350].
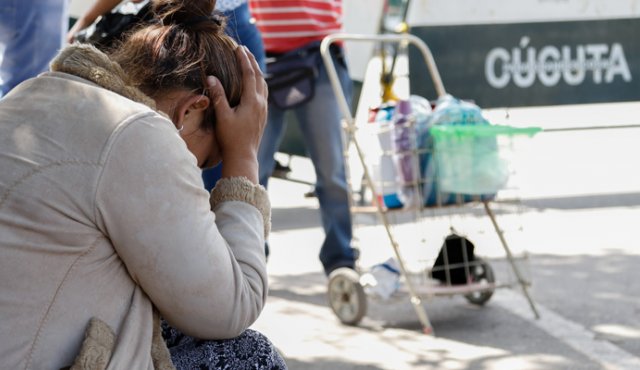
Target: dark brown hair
[184,44]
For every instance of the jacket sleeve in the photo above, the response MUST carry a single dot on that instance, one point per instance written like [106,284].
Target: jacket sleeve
[204,270]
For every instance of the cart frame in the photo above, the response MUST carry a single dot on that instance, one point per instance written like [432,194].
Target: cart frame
[350,128]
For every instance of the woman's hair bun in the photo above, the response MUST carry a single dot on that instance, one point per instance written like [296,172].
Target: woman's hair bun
[182,11]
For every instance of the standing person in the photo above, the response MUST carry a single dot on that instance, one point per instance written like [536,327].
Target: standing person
[31,34]
[286,26]
[105,224]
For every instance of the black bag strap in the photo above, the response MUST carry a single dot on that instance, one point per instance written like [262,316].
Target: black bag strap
[307,55]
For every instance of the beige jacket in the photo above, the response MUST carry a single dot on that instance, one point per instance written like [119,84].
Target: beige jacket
[103,214]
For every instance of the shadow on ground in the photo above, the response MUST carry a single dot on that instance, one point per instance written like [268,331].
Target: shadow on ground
[561,284]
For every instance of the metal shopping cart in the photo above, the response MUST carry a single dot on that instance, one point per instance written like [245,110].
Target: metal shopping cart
[455,151]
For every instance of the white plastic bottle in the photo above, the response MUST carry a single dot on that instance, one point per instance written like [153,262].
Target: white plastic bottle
[389,185]
[383,279]
[405,155]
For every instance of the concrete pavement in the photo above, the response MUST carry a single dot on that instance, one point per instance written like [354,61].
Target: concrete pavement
[577,221]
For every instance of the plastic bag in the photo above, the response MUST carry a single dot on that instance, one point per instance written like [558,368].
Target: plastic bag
[455,171]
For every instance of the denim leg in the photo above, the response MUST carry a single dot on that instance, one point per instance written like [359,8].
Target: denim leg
[210,177]
[244,31]
[320,124]
[271,138]
[31,34]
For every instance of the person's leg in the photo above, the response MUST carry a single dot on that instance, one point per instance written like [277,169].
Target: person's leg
[210,176]
[245,32]
[271,138]
[31,34]
[250,350]
[320,124]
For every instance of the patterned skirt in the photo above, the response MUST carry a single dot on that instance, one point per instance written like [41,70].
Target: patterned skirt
[251,350]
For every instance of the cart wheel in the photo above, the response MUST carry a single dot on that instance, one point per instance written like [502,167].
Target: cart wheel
[346,296]
[481,272]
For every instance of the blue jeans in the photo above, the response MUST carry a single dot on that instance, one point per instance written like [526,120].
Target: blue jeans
[31,34]
[244,31]
[320,125]
[240,27]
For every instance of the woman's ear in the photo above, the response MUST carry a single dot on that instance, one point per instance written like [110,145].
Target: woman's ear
[199,102]
[188,106]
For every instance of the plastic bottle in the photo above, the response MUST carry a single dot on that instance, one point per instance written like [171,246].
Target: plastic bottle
[421,111]
[389,186]
[383,279]
[405,155]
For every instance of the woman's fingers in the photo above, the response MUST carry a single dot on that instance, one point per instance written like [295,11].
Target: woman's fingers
[261,85]
[252,75]
[248,72]
[218,98]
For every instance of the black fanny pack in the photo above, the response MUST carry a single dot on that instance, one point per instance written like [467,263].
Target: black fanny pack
[291,76]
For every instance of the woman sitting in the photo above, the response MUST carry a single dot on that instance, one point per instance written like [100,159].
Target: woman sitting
[106,227]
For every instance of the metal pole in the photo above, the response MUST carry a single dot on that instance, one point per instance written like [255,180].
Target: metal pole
[512,261]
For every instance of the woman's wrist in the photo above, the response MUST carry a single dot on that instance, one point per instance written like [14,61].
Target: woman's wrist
[244,190]
[241,167]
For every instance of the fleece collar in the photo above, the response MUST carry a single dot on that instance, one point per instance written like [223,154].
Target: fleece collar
[85,61]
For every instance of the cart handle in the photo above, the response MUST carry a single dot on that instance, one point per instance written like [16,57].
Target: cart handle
[396,38]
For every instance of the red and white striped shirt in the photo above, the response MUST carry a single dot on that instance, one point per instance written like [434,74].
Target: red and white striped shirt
[289,24]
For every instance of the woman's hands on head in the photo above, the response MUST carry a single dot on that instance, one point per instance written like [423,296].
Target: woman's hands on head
[239,129]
